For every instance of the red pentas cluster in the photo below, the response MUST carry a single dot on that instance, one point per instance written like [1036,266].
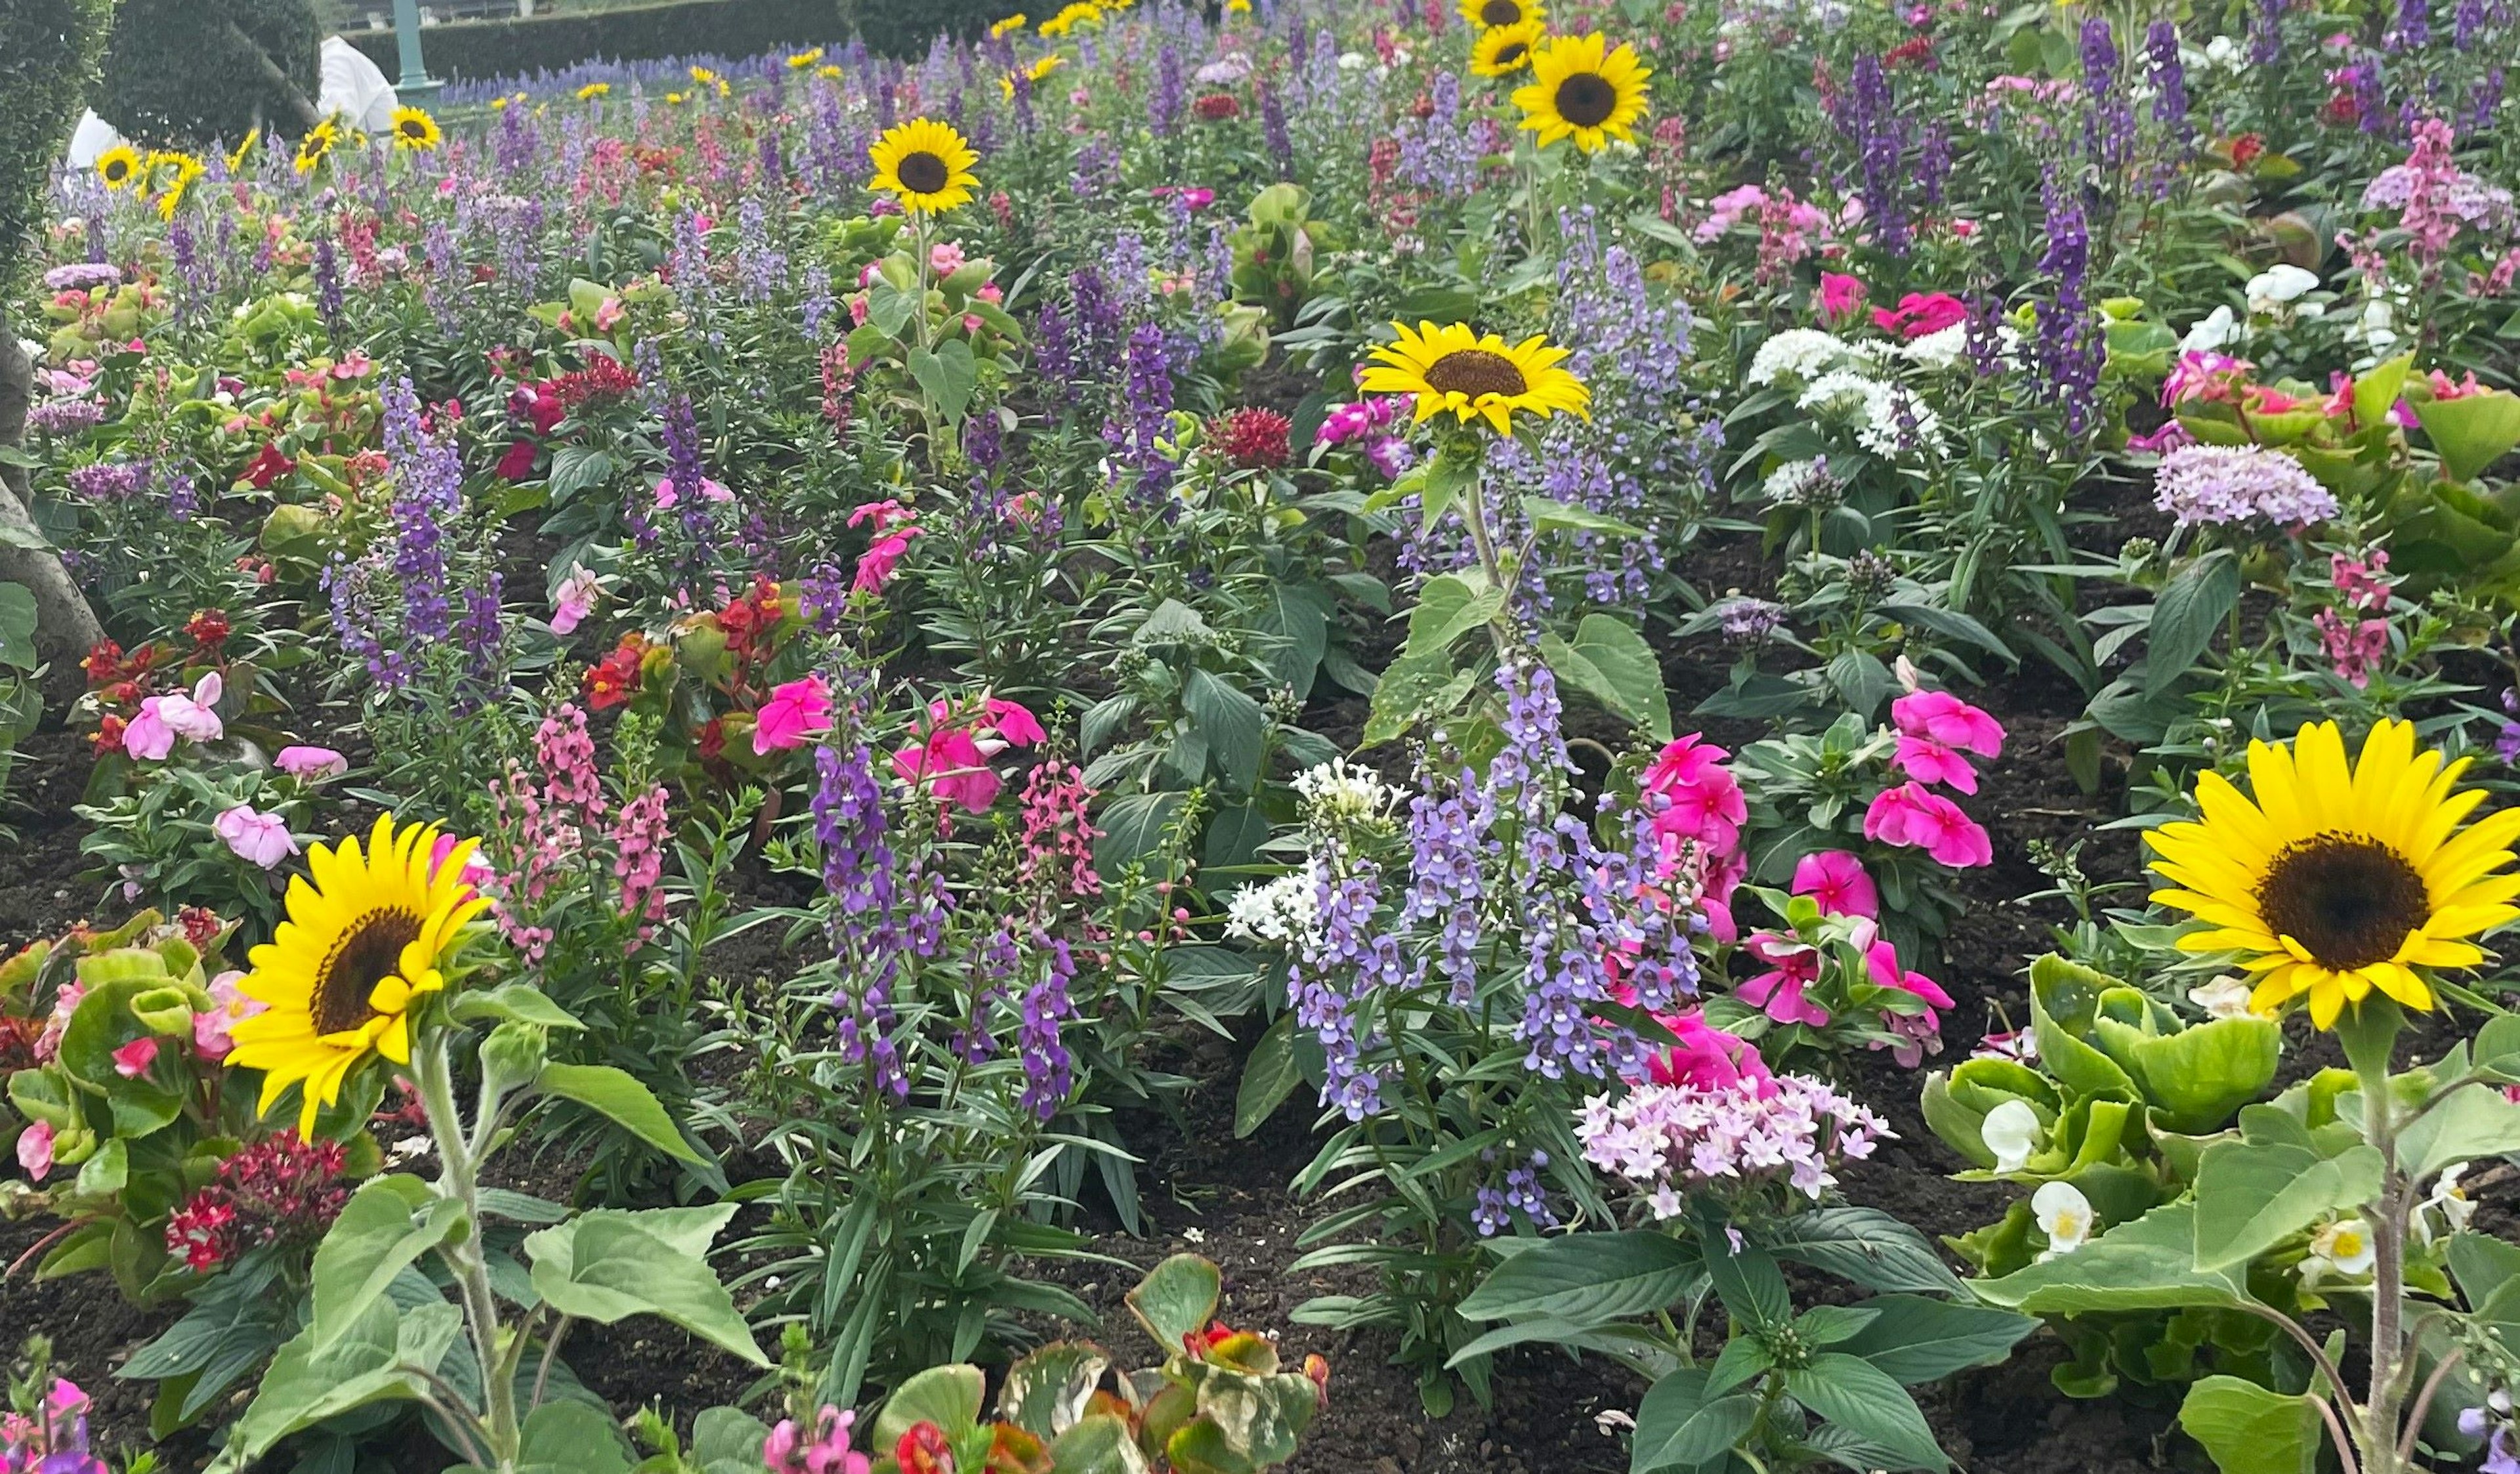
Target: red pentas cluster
[1253,439]
[279,1190]
[538,405]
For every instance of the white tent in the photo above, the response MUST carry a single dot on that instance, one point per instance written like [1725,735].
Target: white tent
[90,138]
[354,88]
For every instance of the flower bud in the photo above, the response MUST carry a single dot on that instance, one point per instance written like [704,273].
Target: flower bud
[513,1054]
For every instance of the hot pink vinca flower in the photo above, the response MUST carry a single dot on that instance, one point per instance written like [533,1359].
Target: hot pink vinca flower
[1779,990]
[1839,881]
[1909,815]
[793,713]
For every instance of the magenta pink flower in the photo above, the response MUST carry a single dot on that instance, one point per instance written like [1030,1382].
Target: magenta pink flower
[876,565]
[1779,992]
[306,763]
[794,712]
[882,514]
[1839,881]
[133,1059]
[1015,722]
[1908,815]
[1705,1056]
[951,762]
[1948,720]
[1921,314]
[2354,647]
[1702,799]
[1841,296]
[1930,762]
[35,1150]
[1921,1033]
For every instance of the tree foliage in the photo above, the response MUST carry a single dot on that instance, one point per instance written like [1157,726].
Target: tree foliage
[200,70]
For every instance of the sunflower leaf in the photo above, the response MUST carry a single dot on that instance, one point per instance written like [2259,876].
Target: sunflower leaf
[619,1095]
[2251,1197]
[386,1226]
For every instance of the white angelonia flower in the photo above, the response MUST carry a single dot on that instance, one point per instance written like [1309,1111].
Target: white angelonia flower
[2011,1132]
[1338,795]
[2343,1250]
[2226,997]
[2217,328]
[2277,286]
[1283,913]
[2064,1216]
[1801,354]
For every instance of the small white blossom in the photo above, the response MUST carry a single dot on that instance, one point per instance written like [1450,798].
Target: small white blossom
[1945,349]
[2215,330]
[1338,795]
[2343,1250]
[2277,286]
[1283,911]
[1801,354]
[2064,1215]
[2226,997]
[2011,1132]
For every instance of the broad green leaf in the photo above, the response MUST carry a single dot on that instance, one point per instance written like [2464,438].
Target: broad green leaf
[1678,1428]
[2148,1264]
[2202,1074]
[619,1096]
[1448,609]
[1098,1444]
[2473,432]
[2249,1199]
[1412,687]
[2472,1123]
[386,1225]
[1547,516]
[607,1266]
[1269,1076]
[2498,1048]
[728,1434]
[382,1356]
[2184,620]
[568,1436]
[1866,1400]
[1236,727]
[1748,1282]
[1917,1340]
[1177,1297]
[2249,1429]
[521,1002]
[2376,390]
[1047,1391]
[1587,1277]
[947,1396]
[1864,1245]
[1608,660]
[17,625]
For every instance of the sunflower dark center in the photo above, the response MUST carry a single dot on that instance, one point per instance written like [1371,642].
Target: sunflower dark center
[369,953]
[1475,372]
[922,173]
[1511,53]
[1500,13]
[1586,100]
[2347,899]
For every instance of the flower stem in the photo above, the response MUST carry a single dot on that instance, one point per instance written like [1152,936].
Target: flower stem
[459,1179]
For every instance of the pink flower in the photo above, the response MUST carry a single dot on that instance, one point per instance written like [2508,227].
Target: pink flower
[2365,582]
[1779,992]
[945,258]
[229,1006]
[302,762]
[35,1150]
[261,839]
[1920,1032]
[607,314]
[1702,799]
[1705,1056]
[147,736]
[667,494]
[882,514]
[1015,722]
[1930,762]
[1921,314]
[151,735]
[1908,815]
[876,565]
[1837,880]
[951,762]
[2354,647]
[1841,296]
[574,600]
[1948,720]
[794,712]
[714,491]
[133,1059]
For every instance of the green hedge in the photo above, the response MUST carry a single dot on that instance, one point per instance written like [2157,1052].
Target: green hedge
[480,50]
[48,51]
[191,70]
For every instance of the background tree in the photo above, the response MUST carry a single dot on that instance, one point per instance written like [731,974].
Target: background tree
[48,52]
[197,72]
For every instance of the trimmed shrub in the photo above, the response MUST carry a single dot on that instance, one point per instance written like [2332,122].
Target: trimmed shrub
[513,46]
[48,50]
[200,70]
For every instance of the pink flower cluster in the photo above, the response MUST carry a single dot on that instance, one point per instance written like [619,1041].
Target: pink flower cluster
[791,1450]
[1057,839]
[55,1440]
[1370,420]
[951,756]
[1668,1139]
[2359,644]
[1936,731]
[1698,810]
[894,526]
[1839,883]
[542,837]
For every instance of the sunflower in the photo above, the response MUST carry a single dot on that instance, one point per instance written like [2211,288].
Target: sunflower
[414,129]
[1083,13]
[1034,73]
[316,145]
[342,975]
[184,170]
[1455,369]
[243,151]
[1502,50]
[592,90]
[1491,14]
[1581,90]
[803,60]
[998,30]
[119,166]
[2337,881]
[926,164]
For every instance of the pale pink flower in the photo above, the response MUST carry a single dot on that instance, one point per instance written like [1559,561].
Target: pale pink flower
[306,763]
[261,839]
[574,600]
[35,1150]
[229,1006]
[945,258]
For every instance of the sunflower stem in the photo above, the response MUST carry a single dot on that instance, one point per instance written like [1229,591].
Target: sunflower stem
[2369,1032]
[459,1177]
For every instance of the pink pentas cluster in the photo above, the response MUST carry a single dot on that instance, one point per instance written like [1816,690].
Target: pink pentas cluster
[279,1190]
[1697,810]
[1057,844]
[1671,1139]
[951,755]
[823,1449]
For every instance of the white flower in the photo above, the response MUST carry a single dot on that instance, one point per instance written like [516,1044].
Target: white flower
[2276,286]
[2227,55]
[1351,61]
[1797,353]
[2011,1132]
[1338,795]
[1795,483]
[2215,330]
[2226,997]
[2064,1216]
[1888,419]
[1938,350]
[1283,911]
[2448,1199]
[2377,326]
[2342,1250]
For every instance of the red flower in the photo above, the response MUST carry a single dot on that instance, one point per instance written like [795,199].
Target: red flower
[1917,51]
[518,463]
[924,1450]
[203,1231]
[200,924]
[1252,438]
[712,740]
[267,467]
[2247,149]
[614,680]
[103,663]
[109,735]
[208,628]
[1217,106]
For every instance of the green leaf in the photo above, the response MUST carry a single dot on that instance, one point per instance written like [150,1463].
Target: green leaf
[519,1003]
[1547,516]
[947,1396]
[2376,390]
[17,626]
[2184,620]
[1176,1298]
[2473,432]
[619,1096]
[1917,1340]
[948,376]
[607,1266]
[1947,623]
[1412,687]
[381,1357]
[1863,1400]
[1587,1277]
[1678,1428]
[2249,1199]
[1747,1280]
[1046,1392]
[2147,1264]
[1234,723]
[1098,1444]
[2498,1048]
[1133,827]
[888,307]
[2249,1429]
[1269,1077]
[728,1435]
[386,1226]
[568,1436]
[1608,660]
[1864,1245]
[1448,609]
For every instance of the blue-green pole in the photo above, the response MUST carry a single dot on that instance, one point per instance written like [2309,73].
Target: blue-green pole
[415,86]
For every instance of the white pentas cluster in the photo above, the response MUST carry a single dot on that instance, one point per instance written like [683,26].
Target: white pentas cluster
[1886,418]
[1800,484]
[1339,798]
[1839,383]
[1672,1139]
[1283,913]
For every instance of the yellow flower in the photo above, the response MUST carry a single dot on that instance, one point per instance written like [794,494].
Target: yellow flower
[1476,377]
[1083,13]
[1035,73]
[828,72]
[1495,13]
[186,168]
[804,59]
[243,151]
[414,129]
[704,76]
[119,166]
[1579,89]
[318,143]
[1009,26]
[592,90]
[673,99]
[926,164]
[498,105]
[2337,879]
[362,945]
[1502,50]
[1237,7]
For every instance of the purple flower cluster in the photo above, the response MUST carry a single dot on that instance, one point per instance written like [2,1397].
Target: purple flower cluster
[1348,944]
[1881,135]
[112,480]
[1050,1070]
[2070,352]
[2108,116]
[428,496]
[82,276]
[1448,845]
[858,872]
[1144,418]
[2221,484]
[1667,1139]
[2169,77]
[1491,1208]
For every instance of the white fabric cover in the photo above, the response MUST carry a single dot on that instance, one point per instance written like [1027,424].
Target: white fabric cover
[354,88]
[90,138]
